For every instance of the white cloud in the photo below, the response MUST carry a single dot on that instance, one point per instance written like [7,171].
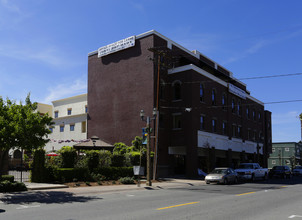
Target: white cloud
[64,90]
[285,118]
[9,5]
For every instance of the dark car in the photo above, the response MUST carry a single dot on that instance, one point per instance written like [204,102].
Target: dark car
[280,172]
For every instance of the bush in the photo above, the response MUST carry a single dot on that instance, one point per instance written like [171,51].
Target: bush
[10,178]
[118,160]
[127,180]
[69,156]
[93,159]
[114,173]
[105,158]
[120,148]
[38,167]
[69,174]
[7,186]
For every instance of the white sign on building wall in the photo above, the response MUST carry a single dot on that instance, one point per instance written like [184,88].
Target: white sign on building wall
[117,46]
[237,91]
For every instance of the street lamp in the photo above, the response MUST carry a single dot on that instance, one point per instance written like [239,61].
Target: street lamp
[148,120]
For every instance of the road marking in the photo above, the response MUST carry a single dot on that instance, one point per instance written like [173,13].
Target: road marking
[27,207]
[295,216]
[245,194]
[190,203]
[129,195]
[283,186]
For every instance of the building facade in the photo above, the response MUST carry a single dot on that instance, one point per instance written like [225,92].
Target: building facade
[207,118]
[70,122]
[285,154]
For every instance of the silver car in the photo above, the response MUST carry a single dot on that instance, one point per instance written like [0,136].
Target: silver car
[222,175]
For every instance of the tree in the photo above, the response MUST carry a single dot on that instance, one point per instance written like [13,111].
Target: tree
[21,126]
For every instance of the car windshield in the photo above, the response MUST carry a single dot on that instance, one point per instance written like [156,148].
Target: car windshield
[278,168]
[246,166]
[218,171]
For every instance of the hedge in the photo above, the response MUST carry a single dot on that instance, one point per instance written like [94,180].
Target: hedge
[114,173]
[7,186]
[10,178]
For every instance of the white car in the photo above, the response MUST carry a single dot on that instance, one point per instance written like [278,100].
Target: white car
[297,171]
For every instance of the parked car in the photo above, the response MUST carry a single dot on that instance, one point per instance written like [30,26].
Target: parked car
[280,172]
[222,175]
[251,171]
[297,171]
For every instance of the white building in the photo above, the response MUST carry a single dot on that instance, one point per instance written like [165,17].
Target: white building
[70,122]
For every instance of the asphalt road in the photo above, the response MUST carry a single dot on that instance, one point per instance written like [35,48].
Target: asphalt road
[272,199]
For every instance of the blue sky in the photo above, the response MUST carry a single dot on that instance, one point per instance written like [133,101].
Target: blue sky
[44,44]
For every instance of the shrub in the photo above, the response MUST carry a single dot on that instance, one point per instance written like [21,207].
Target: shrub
[69,156]
[114,173]
[118,160]
[10,178]
[38,166]
[120,148]
[105,158]
[127,180]
[7,186]
[93,159]
[70,174]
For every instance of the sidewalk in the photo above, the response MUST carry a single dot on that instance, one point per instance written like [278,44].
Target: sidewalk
[165,183]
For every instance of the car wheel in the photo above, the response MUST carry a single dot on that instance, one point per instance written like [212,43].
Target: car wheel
[225,181]
[253,177]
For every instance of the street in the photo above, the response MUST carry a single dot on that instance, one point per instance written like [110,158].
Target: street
[271,199]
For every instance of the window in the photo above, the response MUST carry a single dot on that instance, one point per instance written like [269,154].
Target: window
[51,129]
[177,121]
[259,116]
[273,162]
[233,106]
[254,115]
[213,97]
[86,109]
[201,92]
[273,149]
[214,125]
[56,114]
[61,128]
[72,127]
[240,131]
[83,126]
[247,112]
[287,149]
[234,130]
[177,90]
[223,101]
[224,127]
[69,111]
[239,108]
[202,125]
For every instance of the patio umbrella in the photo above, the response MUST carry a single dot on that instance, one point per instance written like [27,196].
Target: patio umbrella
[52,154]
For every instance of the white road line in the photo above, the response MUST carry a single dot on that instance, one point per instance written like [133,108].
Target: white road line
[295,216]
[28,207]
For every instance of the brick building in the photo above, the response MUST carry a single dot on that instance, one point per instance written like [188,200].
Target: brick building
[207,117]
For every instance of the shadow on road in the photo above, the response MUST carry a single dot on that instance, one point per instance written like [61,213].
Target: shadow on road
[45,197]
[2,210]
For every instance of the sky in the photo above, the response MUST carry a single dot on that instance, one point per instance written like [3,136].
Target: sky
[44,45]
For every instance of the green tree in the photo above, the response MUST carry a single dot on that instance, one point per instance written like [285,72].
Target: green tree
[21,126]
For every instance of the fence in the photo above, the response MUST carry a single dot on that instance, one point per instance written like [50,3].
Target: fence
[17,175]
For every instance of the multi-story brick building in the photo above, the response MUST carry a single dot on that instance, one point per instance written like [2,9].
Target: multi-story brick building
[207,117]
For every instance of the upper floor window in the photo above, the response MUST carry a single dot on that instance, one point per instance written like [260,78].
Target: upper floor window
[223,101]
[61,128]
[239,131]
[177,121]
[56,114]
[233,106]
[247,112]
[234,130]
[254,115]
[86,109]
[69,111]
[239,108]
[214,125]
[83,126]
[71,127]
[176,90]
[201,92]
[213,97]
[202,124]
[224,127]
[259,116]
